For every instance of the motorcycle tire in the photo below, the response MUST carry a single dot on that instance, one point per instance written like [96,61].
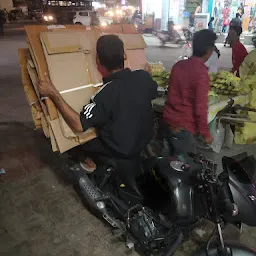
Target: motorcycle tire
[232,250]
[163,43]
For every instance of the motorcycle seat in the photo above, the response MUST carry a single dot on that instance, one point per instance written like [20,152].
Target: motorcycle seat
[126,172]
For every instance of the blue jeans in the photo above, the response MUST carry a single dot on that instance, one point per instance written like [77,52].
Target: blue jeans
[180,143]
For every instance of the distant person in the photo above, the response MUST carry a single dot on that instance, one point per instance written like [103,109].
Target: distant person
[225,25]
[226,12]
[217,10]
[239,52]
[219,25]
[2,21]
[251,24]
[192,19]
[6,13]
[236,21]
[240,9]
[198,9]
[94,19]
[217,15]
[211,24]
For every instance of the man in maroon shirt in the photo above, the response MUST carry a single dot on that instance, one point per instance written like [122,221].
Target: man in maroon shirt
[186,109]
[238,50]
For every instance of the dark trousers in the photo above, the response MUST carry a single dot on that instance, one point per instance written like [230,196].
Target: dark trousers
[1,29]
[127,167]
[224,29]
[180,143]
[94,149]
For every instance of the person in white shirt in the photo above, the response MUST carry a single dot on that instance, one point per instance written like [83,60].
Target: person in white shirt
[212,62]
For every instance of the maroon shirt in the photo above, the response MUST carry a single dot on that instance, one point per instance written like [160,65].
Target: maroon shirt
[187,103]
[239,53]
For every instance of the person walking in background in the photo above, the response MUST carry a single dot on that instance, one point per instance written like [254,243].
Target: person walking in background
[240,9]
[192,19]
[219,25]
[2,21]
[6,16]
[217,16]
[225,25]
[210,24]
[94,19]
[186,108]
[224,30]
[198,9]
[236,21]
[239,52]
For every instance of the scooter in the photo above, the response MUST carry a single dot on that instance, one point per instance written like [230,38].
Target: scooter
[154,203]
[175,35]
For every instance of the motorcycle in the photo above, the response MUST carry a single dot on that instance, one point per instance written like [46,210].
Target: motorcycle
[175,35]
[154,203]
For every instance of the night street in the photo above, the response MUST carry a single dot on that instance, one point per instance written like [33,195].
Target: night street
[40,213]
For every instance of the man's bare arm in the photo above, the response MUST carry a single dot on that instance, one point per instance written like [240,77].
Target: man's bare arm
[72,118]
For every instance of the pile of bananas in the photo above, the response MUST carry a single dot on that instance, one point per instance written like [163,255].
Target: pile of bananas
[160,75]
[225,83]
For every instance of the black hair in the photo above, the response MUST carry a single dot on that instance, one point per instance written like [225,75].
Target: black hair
[212,19]
[238,29]
[238,15]
[110,50]
[203,41]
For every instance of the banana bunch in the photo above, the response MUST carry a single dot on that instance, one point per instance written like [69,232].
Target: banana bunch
[156,67]
[246,134]
[162,78]
[248,83]
[160,75]
[225,83]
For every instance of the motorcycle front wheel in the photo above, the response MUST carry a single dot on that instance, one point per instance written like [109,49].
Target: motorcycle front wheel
[231,250]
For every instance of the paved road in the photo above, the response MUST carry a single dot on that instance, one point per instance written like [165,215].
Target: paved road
[40,213]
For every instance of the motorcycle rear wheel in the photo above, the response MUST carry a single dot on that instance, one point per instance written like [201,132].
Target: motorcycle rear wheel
[234,250]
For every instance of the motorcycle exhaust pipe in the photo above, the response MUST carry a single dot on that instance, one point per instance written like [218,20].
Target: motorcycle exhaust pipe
[93,198]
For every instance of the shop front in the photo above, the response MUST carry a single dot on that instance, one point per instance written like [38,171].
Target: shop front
[225,10]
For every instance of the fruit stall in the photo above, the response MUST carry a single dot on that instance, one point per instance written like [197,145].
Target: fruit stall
[232,104]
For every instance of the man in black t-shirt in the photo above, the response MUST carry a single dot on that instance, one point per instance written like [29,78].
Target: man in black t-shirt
[121,111]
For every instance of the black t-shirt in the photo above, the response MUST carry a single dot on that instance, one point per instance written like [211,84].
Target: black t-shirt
[122,111]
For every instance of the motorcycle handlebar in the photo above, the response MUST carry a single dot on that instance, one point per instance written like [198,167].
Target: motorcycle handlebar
[224,193]
[198,158]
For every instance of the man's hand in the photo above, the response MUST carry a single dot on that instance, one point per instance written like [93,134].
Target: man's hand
[72,118]
[209,140]
[46,87]
[148,68]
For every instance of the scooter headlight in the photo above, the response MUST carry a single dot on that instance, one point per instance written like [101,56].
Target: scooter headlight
[104,24]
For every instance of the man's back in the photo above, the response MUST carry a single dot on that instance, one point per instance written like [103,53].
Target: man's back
[126,103]
[187,102]
[236,22]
